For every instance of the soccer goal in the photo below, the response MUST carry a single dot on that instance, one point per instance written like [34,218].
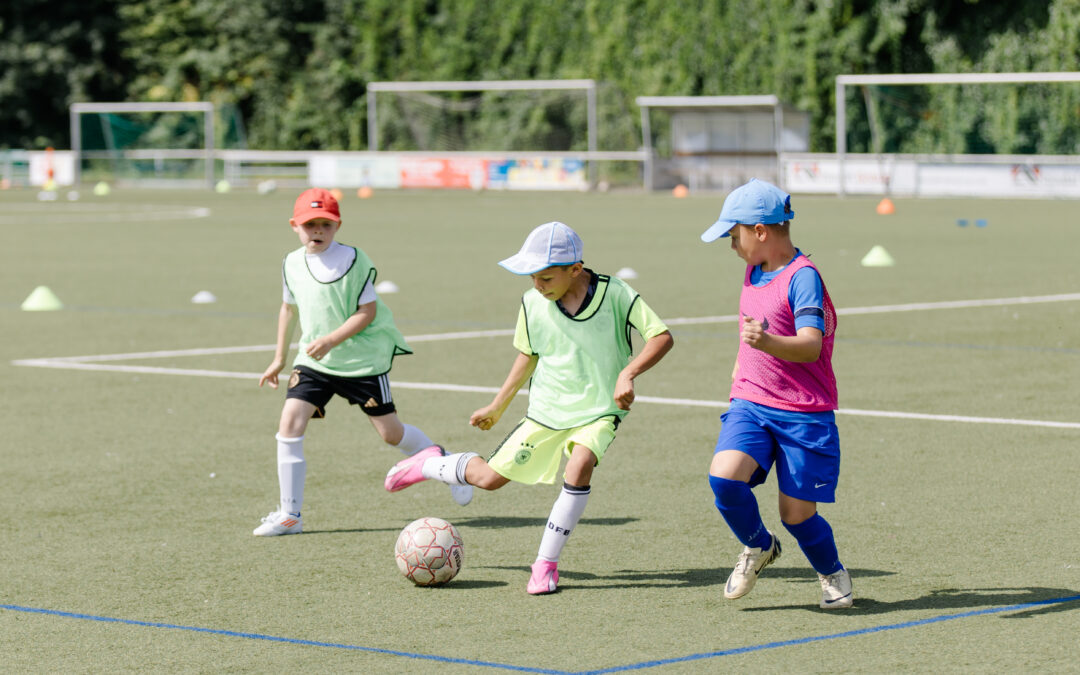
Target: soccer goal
[146,143]
[538,132]
[945,134]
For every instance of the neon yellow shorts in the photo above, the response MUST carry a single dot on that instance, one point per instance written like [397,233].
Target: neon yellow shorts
[532,453]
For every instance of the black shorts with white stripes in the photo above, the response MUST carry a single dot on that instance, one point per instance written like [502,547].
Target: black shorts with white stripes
[372,394]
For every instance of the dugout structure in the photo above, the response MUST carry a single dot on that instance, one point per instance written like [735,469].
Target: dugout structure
[718,142]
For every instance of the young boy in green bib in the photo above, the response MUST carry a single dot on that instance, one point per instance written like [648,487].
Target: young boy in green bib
[348,344]
[573,339]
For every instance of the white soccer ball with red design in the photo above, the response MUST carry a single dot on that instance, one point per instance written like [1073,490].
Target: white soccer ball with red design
[429,551]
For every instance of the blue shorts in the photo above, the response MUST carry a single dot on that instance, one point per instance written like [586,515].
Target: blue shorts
[804,446]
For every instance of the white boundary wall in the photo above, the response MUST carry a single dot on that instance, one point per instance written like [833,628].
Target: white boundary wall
[1000,176]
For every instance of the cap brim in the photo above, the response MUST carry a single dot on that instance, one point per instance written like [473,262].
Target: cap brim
[302,218]
[525,265]
[520,264]
[719,229]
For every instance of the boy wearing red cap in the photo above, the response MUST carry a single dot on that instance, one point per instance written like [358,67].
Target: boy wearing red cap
[348,344]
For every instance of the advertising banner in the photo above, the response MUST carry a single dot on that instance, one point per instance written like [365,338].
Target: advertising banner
[353,172]
[430,172]
[537,174]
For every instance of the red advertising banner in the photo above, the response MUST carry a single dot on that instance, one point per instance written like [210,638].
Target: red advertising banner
[429,172]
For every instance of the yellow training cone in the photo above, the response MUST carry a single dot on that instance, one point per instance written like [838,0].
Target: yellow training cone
[878,257]
[42,300]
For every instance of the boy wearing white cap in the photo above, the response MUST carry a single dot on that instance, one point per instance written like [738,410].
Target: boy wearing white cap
[783,395]
[348,344]
[573,339]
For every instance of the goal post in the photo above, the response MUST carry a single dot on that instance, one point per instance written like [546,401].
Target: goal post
[373,88]
[205,153]
[912,79]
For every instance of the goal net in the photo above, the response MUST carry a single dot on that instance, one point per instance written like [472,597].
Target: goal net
[1018,119]
[538,128]
[511,115]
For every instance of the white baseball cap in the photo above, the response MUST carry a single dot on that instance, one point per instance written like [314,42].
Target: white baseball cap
[550,244]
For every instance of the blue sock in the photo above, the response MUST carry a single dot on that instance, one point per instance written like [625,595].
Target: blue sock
[736,503]
[815,538]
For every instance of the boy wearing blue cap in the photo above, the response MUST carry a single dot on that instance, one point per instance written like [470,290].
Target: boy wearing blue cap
[783,395]
[573,339]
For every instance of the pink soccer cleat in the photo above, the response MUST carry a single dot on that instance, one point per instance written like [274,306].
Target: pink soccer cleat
[408,471]
[544,578]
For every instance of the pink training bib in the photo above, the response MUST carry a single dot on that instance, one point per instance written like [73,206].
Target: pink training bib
[765,379]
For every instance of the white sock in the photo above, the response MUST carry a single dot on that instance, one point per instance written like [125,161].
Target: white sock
[564,517]
[413,440]
[292,469]
[449,469]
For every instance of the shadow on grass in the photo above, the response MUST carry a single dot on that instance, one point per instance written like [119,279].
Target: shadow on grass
[485,522]
[518,521]
[670,578]
[459,584]
[956,599]
[352,530]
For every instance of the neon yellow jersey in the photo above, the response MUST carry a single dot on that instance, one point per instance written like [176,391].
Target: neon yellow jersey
[323,307]
[581,356]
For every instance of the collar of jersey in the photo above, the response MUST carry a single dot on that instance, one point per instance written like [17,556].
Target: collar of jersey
[594,297]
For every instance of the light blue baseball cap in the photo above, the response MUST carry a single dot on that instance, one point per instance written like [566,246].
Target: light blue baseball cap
[750,204]
[546,246]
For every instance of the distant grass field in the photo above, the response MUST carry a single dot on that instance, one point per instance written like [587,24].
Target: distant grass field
[131,484]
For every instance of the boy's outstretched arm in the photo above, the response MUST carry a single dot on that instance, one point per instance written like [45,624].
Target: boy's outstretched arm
[284,337]
[520,372]
[655,348]
[361,319]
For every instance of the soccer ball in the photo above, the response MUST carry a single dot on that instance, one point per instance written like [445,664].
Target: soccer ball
[429,551]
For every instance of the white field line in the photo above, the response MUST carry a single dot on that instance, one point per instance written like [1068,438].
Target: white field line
[113,215]
[94,362]
[439,386]
[911,307]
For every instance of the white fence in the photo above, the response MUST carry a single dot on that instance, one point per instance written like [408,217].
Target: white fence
[999,176]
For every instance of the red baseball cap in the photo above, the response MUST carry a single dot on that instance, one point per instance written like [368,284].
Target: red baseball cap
[316,203]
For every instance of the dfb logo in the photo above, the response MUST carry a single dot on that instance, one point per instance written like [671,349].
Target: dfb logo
[558,530]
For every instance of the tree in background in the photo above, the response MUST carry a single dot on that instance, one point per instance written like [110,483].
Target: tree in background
[53,54]
[298,69]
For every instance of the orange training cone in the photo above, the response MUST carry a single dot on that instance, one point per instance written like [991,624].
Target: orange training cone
[885,207]
[680,191]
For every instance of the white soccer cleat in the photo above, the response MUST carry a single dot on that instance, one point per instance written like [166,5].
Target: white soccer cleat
[836,590]
[277,523]
[747,568]
[462,494]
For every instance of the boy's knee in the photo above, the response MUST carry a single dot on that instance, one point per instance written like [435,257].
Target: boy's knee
[479,474]
[729,493]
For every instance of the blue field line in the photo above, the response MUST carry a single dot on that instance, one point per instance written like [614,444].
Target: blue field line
[832,636]
[272,638]
[524,669]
